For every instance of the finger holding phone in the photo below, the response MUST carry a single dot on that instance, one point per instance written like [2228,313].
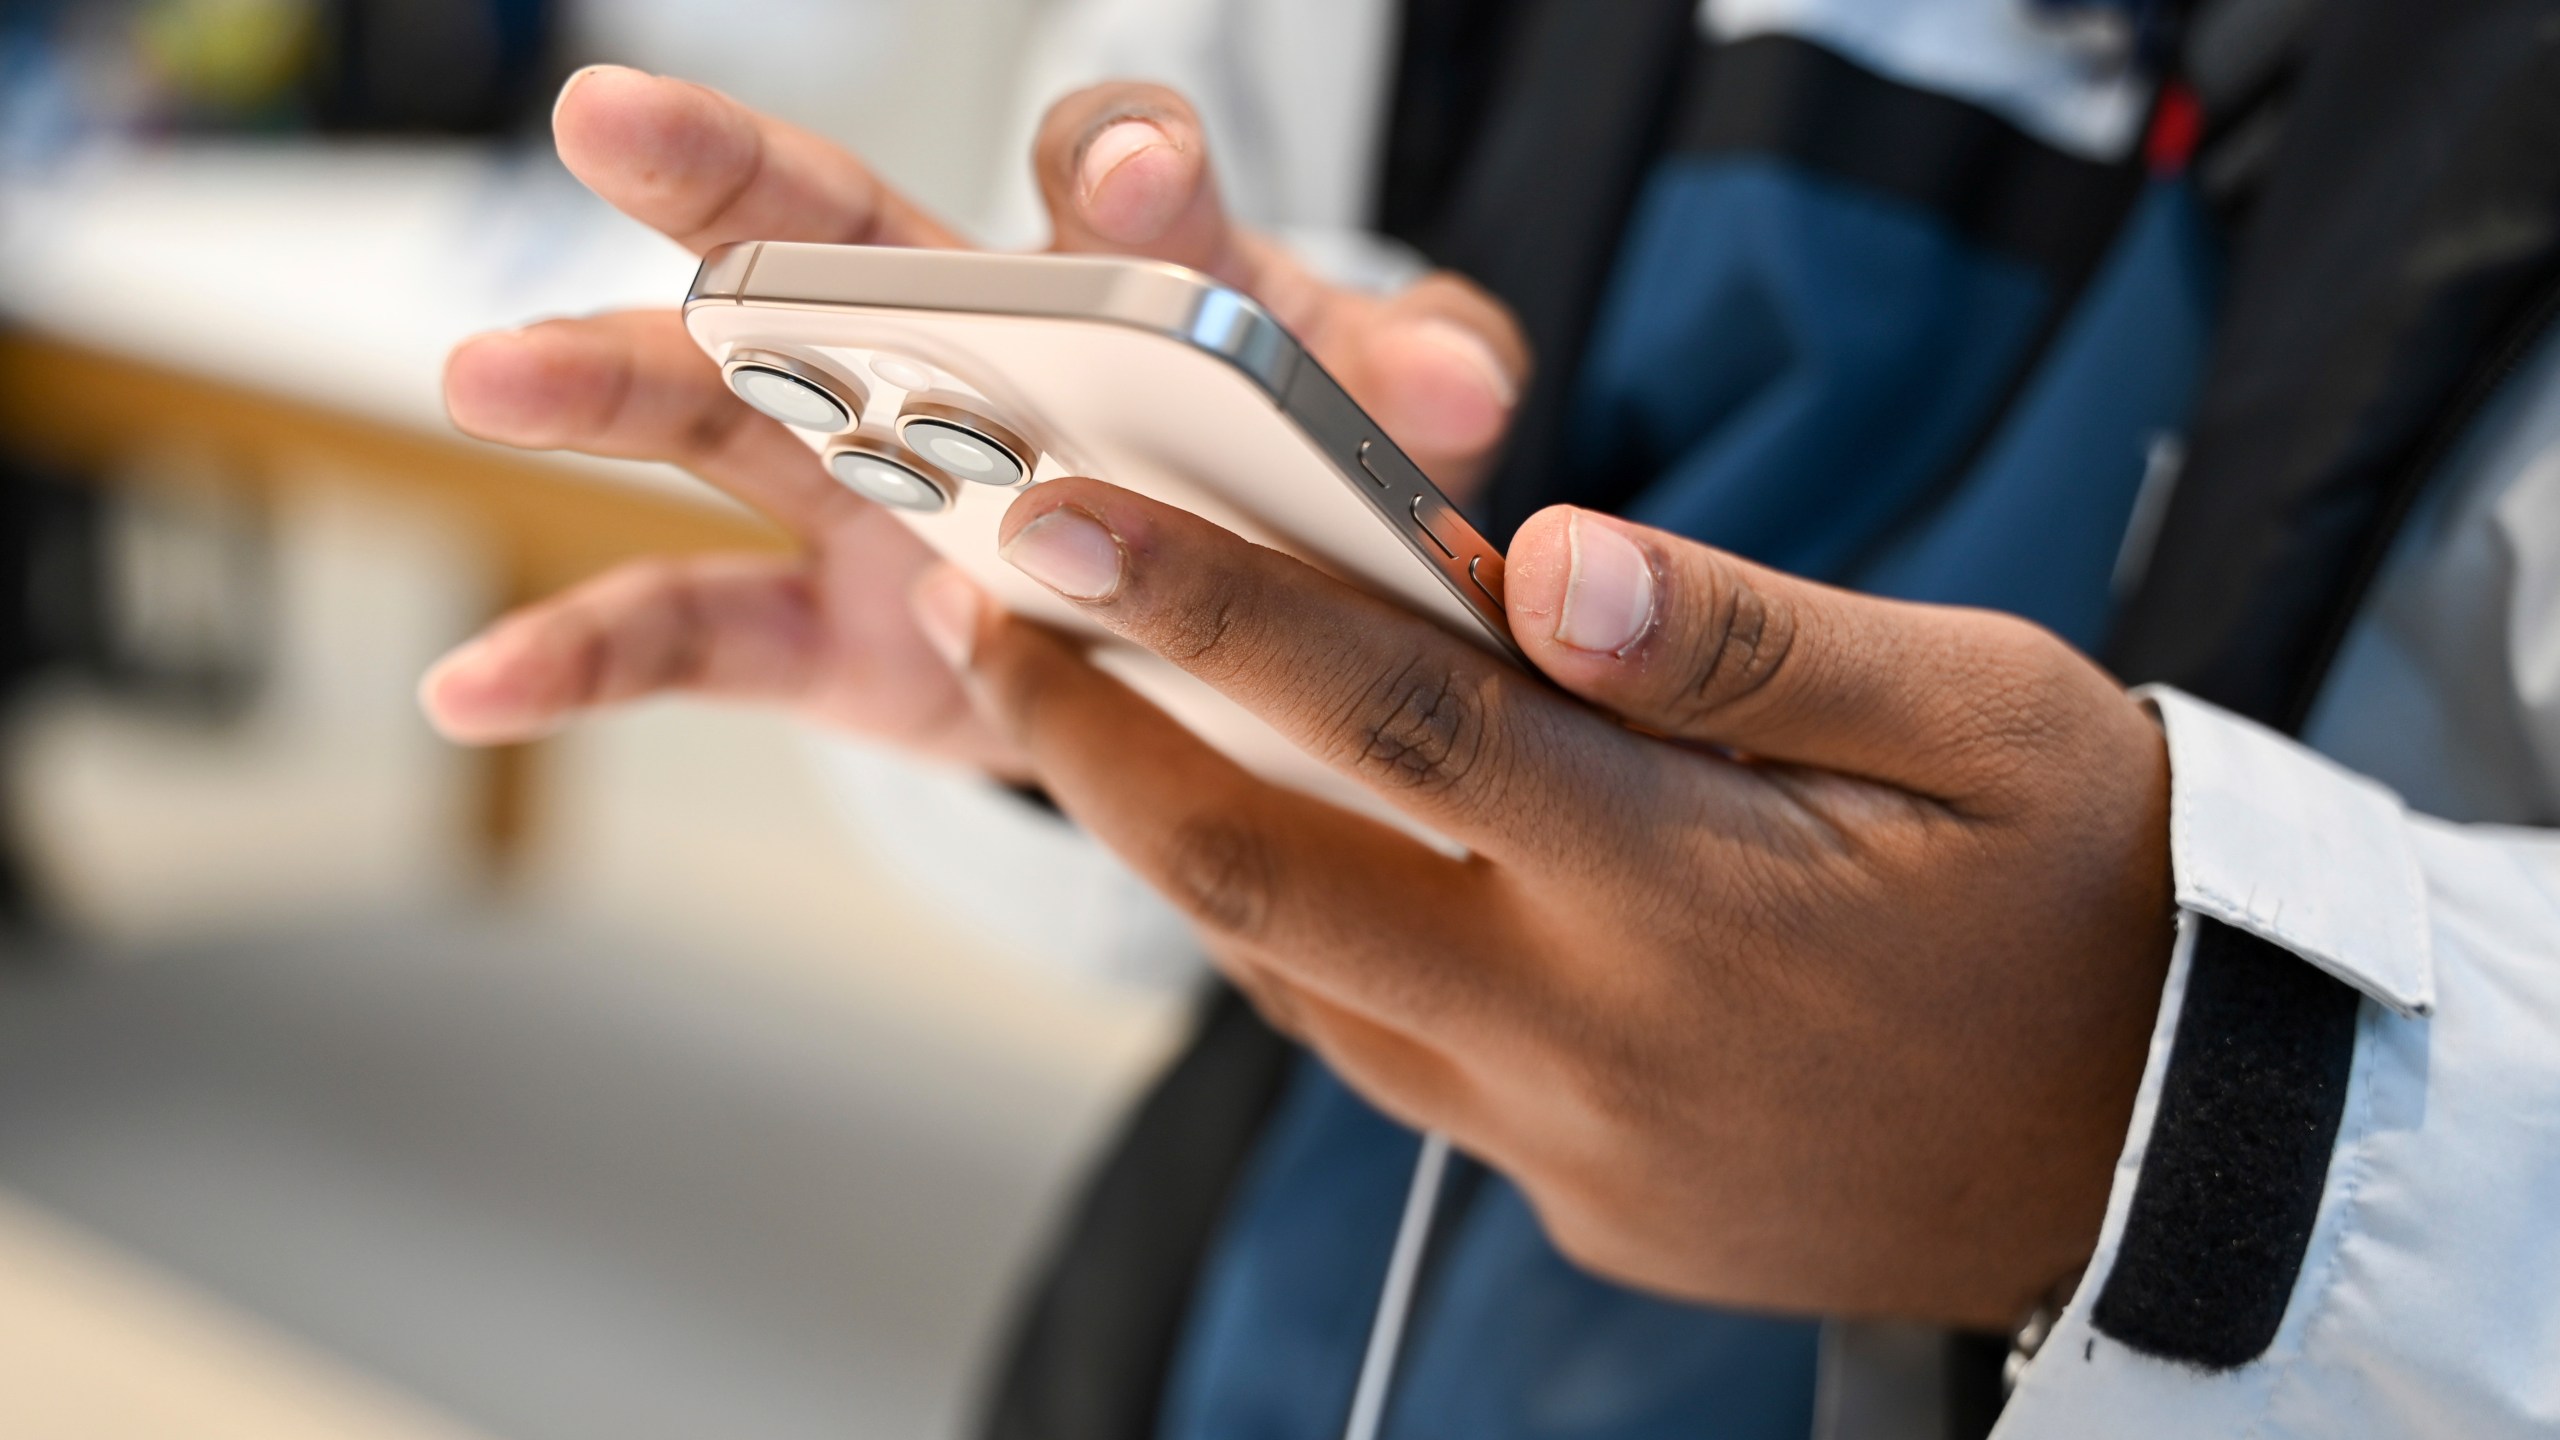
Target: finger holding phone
[1809,946]
[1789,914]
[1124,168]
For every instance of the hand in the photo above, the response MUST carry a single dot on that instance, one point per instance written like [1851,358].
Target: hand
[1809,965]
[1123,168]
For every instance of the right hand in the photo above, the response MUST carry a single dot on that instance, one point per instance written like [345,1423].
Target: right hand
[1123,168]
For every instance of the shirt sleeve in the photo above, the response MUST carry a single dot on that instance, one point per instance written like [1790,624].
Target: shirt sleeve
[2337,1214]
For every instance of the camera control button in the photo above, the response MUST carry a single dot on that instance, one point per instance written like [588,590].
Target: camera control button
[1486,571]
[1439,523]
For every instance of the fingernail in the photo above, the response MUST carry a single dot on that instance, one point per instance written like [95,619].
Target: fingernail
[1608,590]
[1466,345]
[576,79]
[1068,551]
[1118,144]
[946,608]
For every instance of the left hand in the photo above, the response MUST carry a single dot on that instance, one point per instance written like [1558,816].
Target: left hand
[1809,965]
[1124,168]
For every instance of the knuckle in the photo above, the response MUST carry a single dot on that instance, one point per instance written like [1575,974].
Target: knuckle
[602,390]
[1224,875]
[586,650]
[1200,632]
[682,654]
[1420,727]
[738,156]
[866,209]
[710,426]
[1746,640]
[619,635]
[1227,625]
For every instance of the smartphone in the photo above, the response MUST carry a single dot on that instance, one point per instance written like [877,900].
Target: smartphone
[941,383]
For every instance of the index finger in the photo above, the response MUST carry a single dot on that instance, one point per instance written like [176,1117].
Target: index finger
[1467,744]
[689,161]
[1279,885]
[633,384]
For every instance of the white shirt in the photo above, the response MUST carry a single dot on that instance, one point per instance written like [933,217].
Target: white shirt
[2428,1303]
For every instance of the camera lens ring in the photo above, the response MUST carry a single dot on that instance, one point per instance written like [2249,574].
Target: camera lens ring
[794,391]
[887,480]
[965,444]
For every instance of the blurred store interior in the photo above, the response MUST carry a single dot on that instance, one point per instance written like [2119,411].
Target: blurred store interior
[352,1084]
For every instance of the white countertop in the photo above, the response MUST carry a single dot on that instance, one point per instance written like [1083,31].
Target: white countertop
[336,274]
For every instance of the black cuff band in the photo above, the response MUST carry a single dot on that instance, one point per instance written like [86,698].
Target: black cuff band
[2238,1157]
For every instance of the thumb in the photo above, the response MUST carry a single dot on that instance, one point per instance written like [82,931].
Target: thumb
[1699,645]
[1124,169]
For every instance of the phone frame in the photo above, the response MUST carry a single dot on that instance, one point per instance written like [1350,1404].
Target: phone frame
[1162,299]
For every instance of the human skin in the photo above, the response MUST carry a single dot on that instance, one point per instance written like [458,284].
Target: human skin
[1809,943]
[824,632]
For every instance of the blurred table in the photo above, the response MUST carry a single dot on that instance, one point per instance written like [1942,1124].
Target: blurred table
[285,309]
[96,1347]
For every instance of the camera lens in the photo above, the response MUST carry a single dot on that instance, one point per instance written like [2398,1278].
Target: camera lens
[964,453]
[789,398]
[964,444]
[876,477]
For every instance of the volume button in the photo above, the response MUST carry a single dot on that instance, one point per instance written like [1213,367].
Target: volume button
[1368,467]
[1433,515]
[1486,571]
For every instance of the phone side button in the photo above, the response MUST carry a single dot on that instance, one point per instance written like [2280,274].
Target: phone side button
[1436,520]
[1368,466]
[1486,571]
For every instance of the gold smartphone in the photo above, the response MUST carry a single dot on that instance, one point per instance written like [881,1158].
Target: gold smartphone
[940,383]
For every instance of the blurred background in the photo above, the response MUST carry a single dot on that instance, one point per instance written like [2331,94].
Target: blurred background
[350,1084]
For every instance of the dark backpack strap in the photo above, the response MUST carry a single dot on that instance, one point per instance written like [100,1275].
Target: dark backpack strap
[1568,109]
[2411,218]
[1094,1345]
[2401,257]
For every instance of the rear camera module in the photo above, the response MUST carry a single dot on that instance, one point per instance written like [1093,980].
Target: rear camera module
[965,445]
[795,396]
[877,477]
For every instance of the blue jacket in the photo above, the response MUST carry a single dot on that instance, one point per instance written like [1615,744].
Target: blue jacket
[1882,292]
